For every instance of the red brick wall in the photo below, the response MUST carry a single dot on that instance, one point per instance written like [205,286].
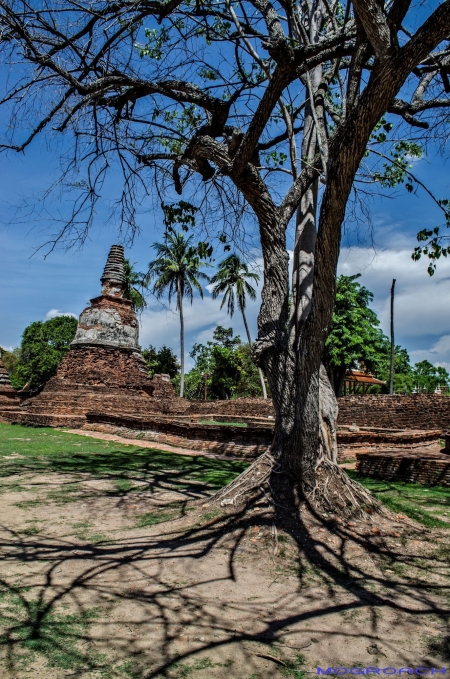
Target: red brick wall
[415,411]
[427,470]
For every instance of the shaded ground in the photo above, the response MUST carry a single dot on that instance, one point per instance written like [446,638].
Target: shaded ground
[111,567]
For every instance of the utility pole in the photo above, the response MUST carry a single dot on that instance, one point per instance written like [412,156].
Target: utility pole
[391,372]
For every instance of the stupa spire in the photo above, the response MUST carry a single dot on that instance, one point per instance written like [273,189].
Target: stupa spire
[113,278]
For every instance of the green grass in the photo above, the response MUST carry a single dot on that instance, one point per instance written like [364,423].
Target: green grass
[49,450]
[423,504]
[182,670]
[30,627]
[225,424]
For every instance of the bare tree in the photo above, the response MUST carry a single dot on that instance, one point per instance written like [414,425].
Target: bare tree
[210,98]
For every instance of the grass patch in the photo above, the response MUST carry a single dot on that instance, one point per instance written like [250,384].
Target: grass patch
[27,504]
[29,628]
[51,450]
[169,512]
[423,504]
[225,424]
[293,667]
[181,671]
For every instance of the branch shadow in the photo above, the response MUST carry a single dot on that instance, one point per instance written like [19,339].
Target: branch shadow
[193,594]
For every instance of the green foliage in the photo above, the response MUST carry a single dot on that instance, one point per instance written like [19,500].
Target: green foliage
[403,371]
[176,269]
[231,281]
[428,377]
[432,240]
[397,165]
[161,361]
[355,339]
[135,284]
[182,213]
[10,360]
[276,158]
[43,346]
[225,365]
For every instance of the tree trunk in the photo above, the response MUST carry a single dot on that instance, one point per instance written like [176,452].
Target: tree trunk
[391,370]
[291,352]
[260,372]
[316,405]
[340,377]
[180,309]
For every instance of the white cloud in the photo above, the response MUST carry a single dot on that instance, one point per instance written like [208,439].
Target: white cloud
[438,354]
[420,300]
[420,304]
[52,313]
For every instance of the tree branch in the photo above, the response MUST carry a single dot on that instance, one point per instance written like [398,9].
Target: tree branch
[375,25]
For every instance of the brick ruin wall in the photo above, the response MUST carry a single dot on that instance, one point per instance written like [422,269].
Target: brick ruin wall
[414,411]
[245,442]
[112,380]
[430,470]
[239,407]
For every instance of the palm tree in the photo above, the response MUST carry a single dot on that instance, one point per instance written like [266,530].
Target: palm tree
[177,271]
[135,283]
[231,281]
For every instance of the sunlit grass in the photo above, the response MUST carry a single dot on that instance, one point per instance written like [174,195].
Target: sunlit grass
[429,505]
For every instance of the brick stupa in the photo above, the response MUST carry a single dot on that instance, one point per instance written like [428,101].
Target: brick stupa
[104,371]
[8,395]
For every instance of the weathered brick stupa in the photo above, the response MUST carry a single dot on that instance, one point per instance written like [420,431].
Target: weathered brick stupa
[104,370]
[8,395]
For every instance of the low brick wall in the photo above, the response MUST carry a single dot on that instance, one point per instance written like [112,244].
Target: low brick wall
[429,470]
[414,411]
[247,441]
[248,407]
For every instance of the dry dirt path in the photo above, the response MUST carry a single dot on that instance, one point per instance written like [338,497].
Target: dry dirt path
[102,578]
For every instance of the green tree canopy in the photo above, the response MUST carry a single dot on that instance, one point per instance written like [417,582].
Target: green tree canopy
[176,272]
[232,281]
[428,377]
[160,361]
[44,344]
[135,284]
[224,365]
[355,339]
[10,360]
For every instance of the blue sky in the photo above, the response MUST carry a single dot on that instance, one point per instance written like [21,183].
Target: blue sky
[34,287]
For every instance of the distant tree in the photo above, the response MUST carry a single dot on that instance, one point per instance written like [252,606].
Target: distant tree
[231,281]
[135,284]
[403,371]
[43,346]
[161,361]
[176,272]
[355,340]
[223,368]
[10,360]
[429,377]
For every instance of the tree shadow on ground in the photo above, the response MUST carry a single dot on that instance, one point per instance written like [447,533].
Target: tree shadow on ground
[191,597]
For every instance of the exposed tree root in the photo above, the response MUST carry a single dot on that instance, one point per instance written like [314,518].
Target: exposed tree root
[334,493]
[252,482]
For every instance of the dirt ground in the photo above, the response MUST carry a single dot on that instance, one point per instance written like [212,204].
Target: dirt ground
[98,581]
